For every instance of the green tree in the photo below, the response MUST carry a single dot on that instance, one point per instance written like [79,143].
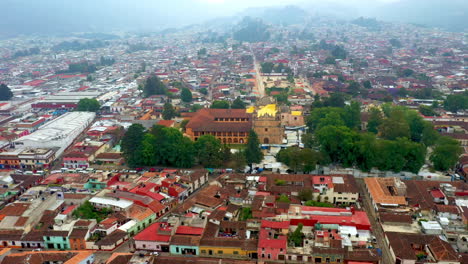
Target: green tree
[131,144]
[267,67]
[195,107]
[87,211]
[317,204]
[283,198]
[297,237]
[429,135]
[88,105]
[446,153]
[168,111]
[395,126]
[5,92]
[172,148]
[220,105]
[183,124]
[330,61]
[245,214]
[366,152]
[367,84]
[427,110]
[204,91]
[395,43]
[335,100]
[186,95]
[337,143]
[202,52]
[237,161]
[354,88]
[238,104]
[154,86]
[352,115]
[456,102]
[325,116]
[208,151]
[402,92]
[401,154]
[375,120]
[308,140]
[416,124]
[253,153]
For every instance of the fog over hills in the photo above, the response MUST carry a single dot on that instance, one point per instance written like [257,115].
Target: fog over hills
[65,16]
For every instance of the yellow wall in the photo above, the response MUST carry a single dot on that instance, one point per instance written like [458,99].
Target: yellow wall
[226,251]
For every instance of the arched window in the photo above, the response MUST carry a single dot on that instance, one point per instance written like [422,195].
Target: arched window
[266,141]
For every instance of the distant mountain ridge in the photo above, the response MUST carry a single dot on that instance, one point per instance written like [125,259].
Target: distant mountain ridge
[450,15]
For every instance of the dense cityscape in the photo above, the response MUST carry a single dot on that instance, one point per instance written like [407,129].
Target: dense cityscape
[327,142]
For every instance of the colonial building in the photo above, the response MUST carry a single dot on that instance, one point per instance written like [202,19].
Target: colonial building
[267,121]
[230,126]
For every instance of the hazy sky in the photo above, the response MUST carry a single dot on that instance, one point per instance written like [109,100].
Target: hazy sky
[29,16]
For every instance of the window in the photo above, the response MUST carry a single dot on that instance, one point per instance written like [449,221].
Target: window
[177,249]
[236,252]
[266,129]
[327,260]
[144,246]
[203,251]
[64,238]
[220,252]
[13,243]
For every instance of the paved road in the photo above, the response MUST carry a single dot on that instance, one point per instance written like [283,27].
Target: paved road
[376,227]
[260,86]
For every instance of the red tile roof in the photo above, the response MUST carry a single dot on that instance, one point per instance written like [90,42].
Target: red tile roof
[151,234]
[189,230]
[275,224]
[204,120]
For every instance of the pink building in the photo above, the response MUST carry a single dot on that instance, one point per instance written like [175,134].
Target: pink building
[271,245]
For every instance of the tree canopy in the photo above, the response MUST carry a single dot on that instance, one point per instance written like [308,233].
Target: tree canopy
[299,160]
[446,153]
[186,95]
[238,104]
[154,86]
[5,92]
[209,151]
[253,153]
[168,111]
[220,104]
[88,105]
[131,144]
[456,102]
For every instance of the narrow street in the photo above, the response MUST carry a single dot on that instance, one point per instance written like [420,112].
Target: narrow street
[376,228]
[258,75]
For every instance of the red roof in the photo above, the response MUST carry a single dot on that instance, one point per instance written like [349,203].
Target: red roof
[156,206]
[359,220]
[69,209]
[437,194]
[275,224]
[151,234]
[189,230]
[265,241]
[34,83]
[166,123]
